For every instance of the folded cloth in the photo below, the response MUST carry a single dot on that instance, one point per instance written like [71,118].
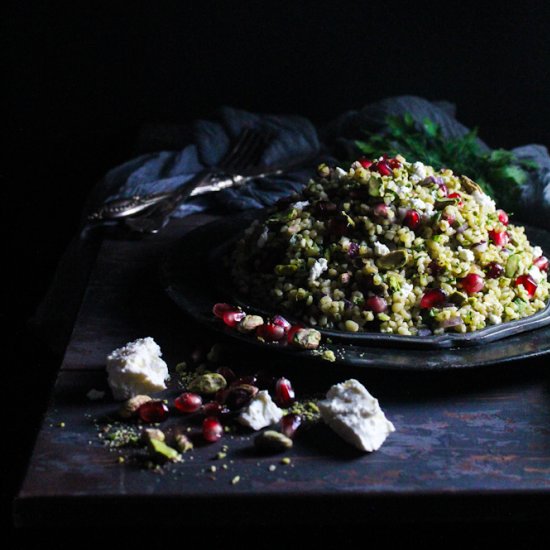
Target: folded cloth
[294,139]
[174,157]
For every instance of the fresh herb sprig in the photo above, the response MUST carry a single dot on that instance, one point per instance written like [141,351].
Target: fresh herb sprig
[499,172]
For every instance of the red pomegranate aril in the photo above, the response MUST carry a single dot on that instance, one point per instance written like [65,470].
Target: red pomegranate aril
[290,423]
[280,321]
[365,163]
[284,393]
[219,309]
[188,402]
[457,196]
[541,262]
[376,304]
[270,332]
[412,219]
[494,270]
[383,168]
[394,163]
[500,238]
[153,411]
[432,298]
[380,210]
[212,430]
[502,217]
[528,283]
[472,283]
[232,318]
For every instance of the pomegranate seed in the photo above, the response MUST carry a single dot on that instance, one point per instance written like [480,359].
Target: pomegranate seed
[526,281]
[227,373]
[394,163]
[472,283]
[292,331]
[457,196]
[502,217]
[219,309]
[281,322]
[212,430]
[494,270]
[365,163]
[232,318]
[541,262]
[188,402]
[270,332]
[290,423]
[353,250]
[383,168]
[376,304]
[500,238]
[412,219]
[381,210]
[432,298]
[284,394]
[153,411]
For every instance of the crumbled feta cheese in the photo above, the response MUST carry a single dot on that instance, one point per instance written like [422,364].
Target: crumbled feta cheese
[339,172]
[260,412]
[317,268]
[405,290]
[465,254]
[494,319]
[419,171]
[421,206]
[136,369]
[262,239]
[300,205]
[355,415]
[534,271]
[537,252]
[485,201]
[95,395]
[380,249]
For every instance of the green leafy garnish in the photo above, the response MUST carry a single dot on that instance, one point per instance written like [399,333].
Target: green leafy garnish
[499,173]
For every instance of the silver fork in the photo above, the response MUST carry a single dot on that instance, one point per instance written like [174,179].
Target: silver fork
[236,167]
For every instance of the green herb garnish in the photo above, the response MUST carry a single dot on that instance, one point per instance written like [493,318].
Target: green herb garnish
[499,173]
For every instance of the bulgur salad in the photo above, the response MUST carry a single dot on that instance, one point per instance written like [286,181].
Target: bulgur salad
[395,247]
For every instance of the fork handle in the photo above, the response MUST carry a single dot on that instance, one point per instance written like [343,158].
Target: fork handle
[156,217]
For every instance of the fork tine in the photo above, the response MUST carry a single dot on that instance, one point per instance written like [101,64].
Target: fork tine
[233,153]
[251,152]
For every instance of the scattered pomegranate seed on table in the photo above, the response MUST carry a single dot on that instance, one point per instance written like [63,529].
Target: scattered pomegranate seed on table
[284,393]
[188,402]
[290,424]
[232,318]
[212,430]
[270,332]
[153,411]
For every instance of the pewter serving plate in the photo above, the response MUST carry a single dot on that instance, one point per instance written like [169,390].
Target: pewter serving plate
[194,276]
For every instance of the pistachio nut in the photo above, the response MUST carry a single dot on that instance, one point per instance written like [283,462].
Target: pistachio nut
[469,185]
[129,408]
[207,384]
[394,260]
[250,323]
[307,338]
[183,443]
[271,441]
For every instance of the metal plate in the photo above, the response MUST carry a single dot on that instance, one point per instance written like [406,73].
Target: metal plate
[194,277]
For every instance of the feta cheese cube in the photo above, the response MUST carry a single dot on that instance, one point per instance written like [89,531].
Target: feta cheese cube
[260,412]
[355,415]
[136,369]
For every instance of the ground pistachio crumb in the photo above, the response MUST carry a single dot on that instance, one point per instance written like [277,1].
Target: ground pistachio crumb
[272,467]
[213,469]
[286,461]
[61,424]
[121,460]
[235,480]
[221,455]
[308,410]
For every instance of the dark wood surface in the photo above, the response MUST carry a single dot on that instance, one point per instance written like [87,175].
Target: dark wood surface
[469,445]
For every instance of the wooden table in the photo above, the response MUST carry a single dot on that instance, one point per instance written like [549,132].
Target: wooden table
[470,444]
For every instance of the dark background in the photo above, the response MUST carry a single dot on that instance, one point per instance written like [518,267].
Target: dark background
[81,79]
